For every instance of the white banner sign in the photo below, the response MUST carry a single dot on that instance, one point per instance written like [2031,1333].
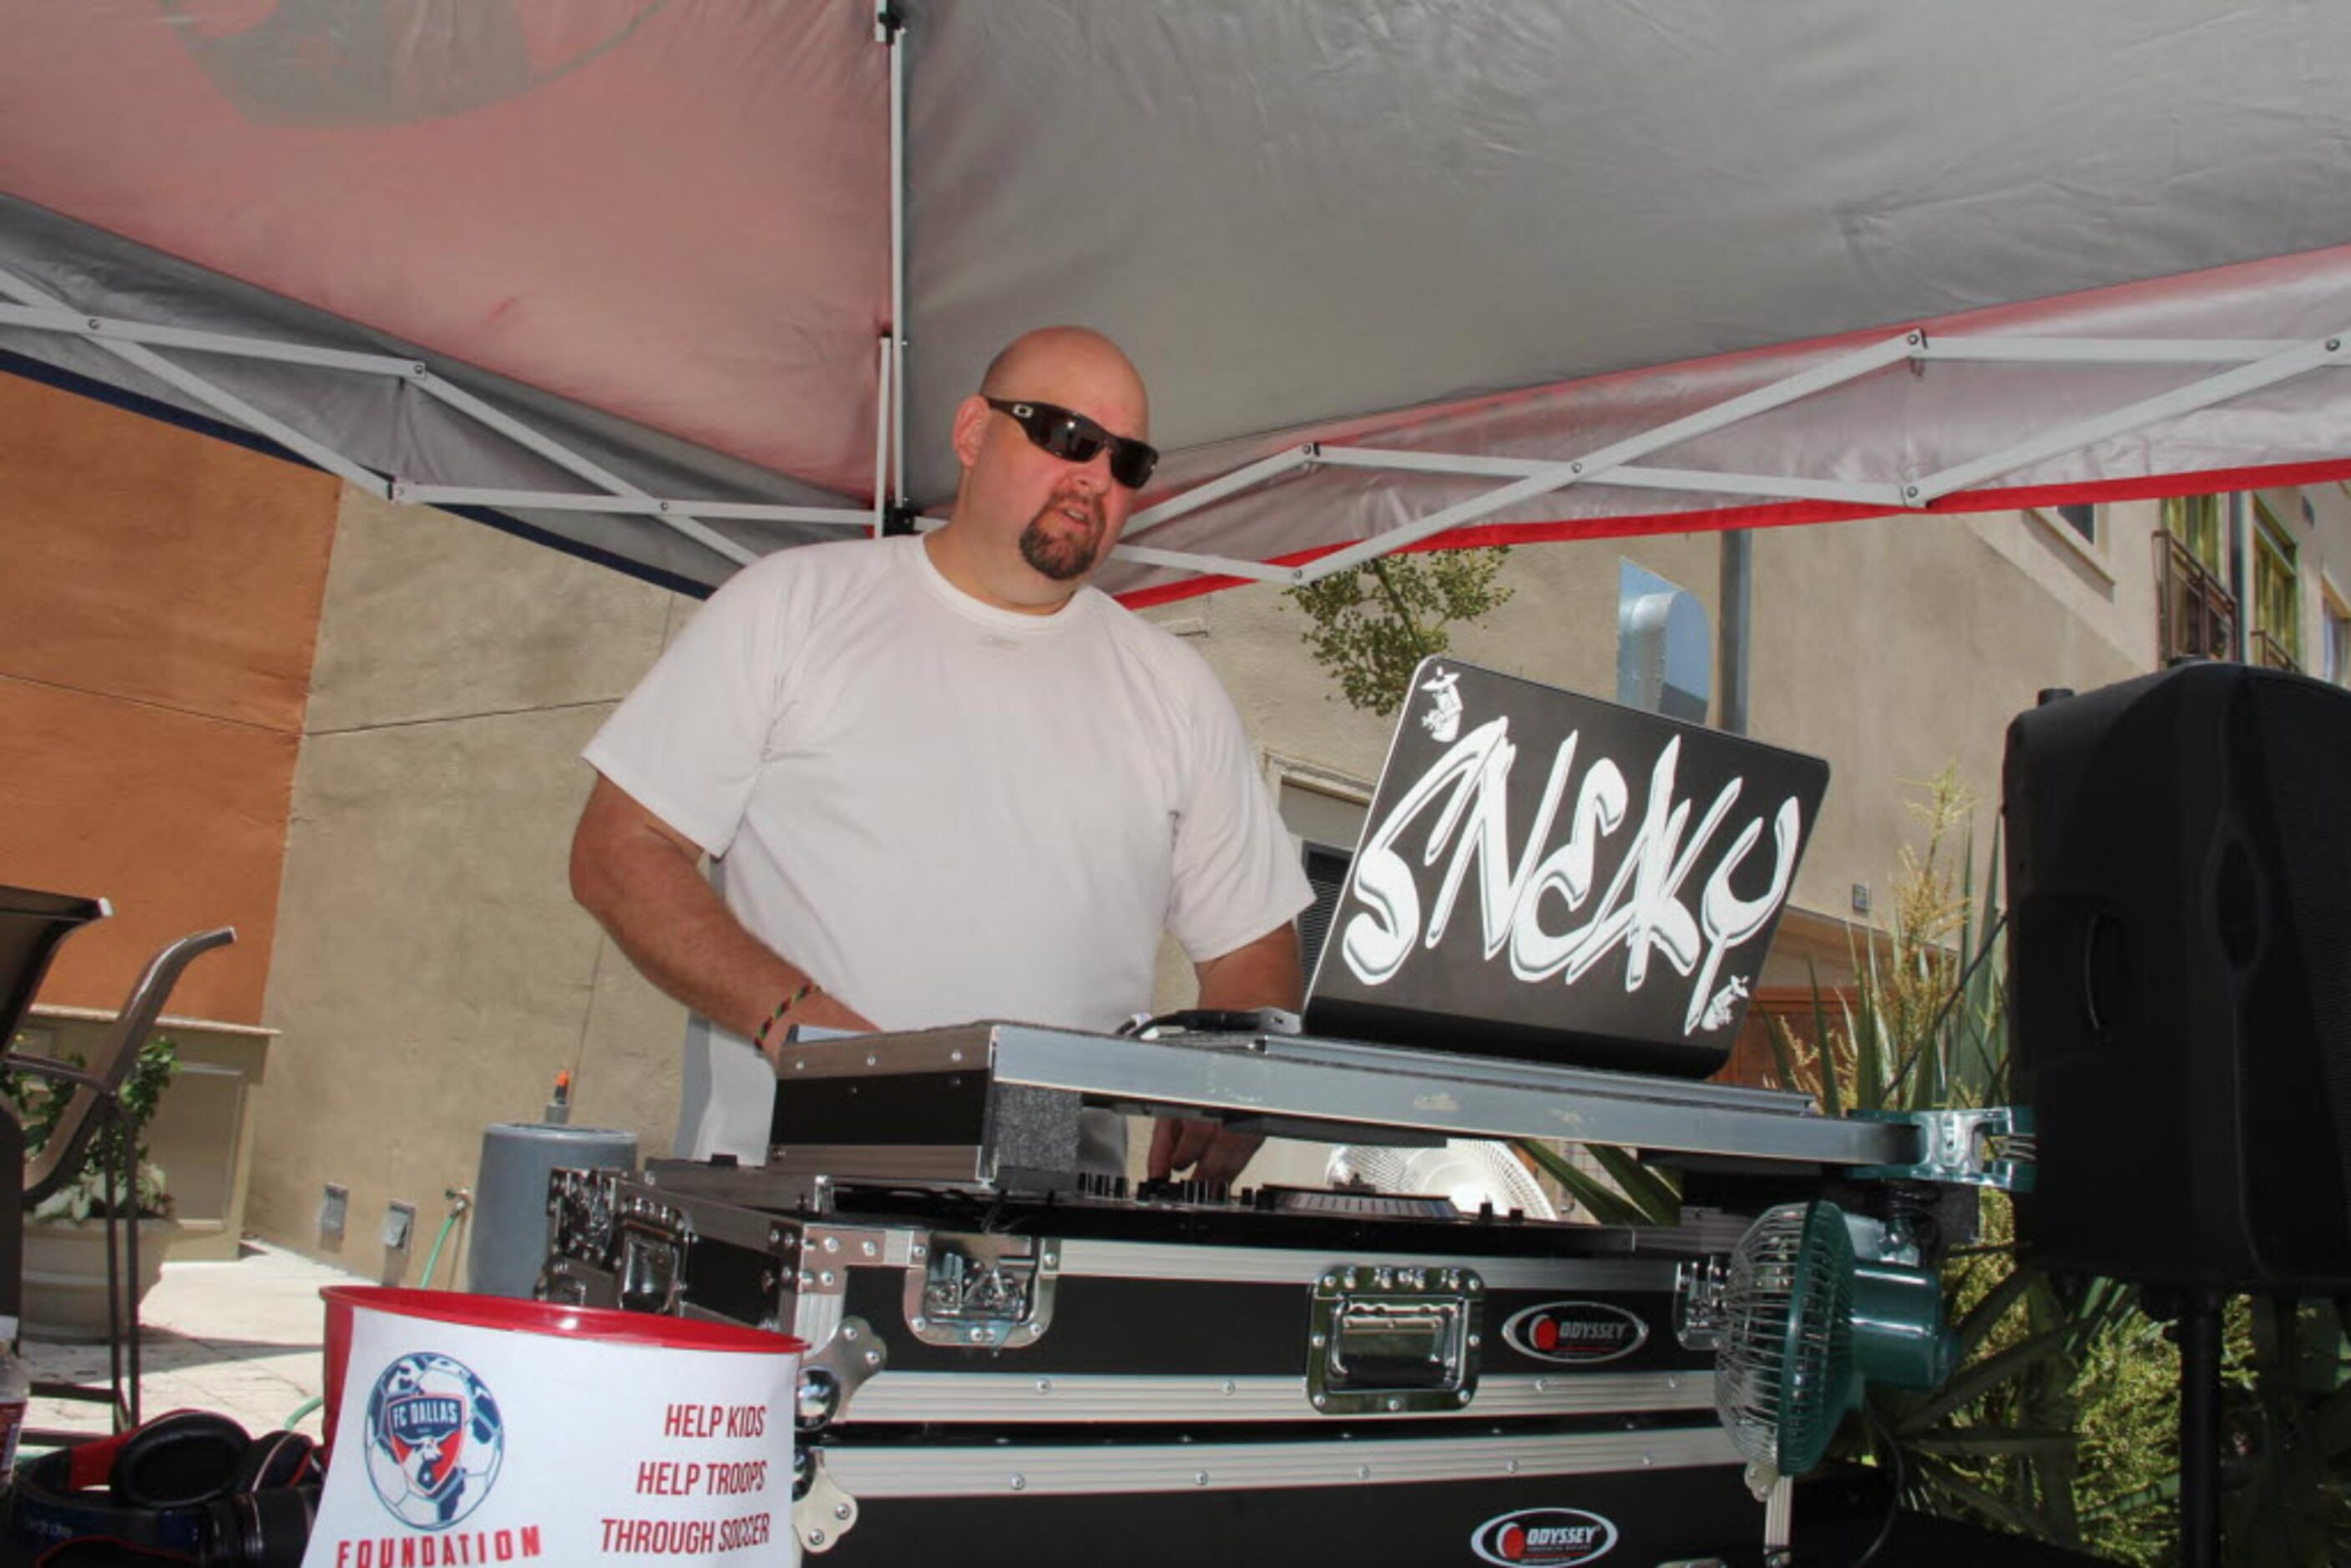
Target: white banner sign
[458,1444]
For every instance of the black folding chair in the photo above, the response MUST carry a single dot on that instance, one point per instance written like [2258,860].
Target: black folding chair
[96,1102]
[32,926]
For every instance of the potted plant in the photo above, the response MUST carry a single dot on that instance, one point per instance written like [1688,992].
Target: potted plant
[65,1236]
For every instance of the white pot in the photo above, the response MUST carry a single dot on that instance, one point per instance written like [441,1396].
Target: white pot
[65,1275]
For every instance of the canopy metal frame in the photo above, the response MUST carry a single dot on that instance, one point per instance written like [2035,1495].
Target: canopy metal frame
[2251,365]
[2257,363]
[135,343]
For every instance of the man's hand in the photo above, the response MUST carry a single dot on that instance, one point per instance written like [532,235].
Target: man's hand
[819,1010]
[1203,1149]
[1259,974]
[641,878]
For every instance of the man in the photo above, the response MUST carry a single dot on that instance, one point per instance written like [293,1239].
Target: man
[942,779]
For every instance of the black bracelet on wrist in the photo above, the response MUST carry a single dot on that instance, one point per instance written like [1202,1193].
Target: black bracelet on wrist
[800,993]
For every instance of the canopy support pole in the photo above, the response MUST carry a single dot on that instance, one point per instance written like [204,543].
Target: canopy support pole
[890,29]
[1289,460]
[2256,364]
[884,384]
[1694,479]
[562,456]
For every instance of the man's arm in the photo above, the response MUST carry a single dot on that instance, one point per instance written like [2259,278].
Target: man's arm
[641,878]
[1260,974]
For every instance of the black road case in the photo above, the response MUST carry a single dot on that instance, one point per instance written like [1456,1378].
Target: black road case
[1096,1377]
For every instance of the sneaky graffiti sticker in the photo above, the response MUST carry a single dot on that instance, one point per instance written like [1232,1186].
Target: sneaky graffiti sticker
[1547,860]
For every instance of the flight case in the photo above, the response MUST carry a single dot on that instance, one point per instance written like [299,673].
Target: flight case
[1167,1375]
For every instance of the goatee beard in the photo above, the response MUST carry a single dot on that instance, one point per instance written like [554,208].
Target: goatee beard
[1059,554]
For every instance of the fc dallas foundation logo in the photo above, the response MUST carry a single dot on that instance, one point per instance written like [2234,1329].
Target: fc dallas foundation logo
[434,1440]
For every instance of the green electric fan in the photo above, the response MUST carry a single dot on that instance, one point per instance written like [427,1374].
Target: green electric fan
[1813,1305]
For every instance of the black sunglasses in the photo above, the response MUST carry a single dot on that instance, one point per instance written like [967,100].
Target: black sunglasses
[1074,438]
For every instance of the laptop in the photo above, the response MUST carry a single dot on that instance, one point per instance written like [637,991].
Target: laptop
[1546,876]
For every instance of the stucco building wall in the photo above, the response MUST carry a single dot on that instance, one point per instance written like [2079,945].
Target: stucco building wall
[1898,646]
[433,975]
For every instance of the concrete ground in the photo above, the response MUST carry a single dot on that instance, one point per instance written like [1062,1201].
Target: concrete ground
[241,1338]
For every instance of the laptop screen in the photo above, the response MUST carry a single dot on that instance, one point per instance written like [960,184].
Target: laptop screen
[1548,876]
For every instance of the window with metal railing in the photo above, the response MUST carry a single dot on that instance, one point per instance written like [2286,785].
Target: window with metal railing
[2273,638]
[2196,615]
[2334,644]
[2201,524]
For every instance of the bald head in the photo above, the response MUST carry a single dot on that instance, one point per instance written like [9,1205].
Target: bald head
[1060,356]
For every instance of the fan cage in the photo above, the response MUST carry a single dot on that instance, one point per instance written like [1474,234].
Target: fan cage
[1786,1357]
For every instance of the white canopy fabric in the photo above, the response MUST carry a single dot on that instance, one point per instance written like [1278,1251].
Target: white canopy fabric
[1399,272]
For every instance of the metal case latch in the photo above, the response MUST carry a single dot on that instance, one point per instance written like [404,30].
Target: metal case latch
[650,1261]
[983,1292]
[1388,1341]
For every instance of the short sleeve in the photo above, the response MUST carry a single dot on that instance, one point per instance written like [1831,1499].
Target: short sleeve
[688,742]
[1235,874]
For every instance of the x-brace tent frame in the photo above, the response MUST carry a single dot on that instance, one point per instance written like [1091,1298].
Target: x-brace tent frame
[2252,364]
[135,343]
[2256,364]
[2259,363]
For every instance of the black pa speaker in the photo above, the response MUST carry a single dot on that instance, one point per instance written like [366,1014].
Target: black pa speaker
[2179,950]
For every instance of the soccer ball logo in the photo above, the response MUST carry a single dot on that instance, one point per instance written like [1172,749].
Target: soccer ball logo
[434,1440]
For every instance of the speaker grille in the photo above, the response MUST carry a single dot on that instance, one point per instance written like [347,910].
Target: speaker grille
[2303,730]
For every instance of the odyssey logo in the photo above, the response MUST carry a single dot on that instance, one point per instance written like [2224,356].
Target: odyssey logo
[1575,1333]
[1543,1537]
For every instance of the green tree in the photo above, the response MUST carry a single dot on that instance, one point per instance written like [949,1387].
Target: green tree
[1372,626]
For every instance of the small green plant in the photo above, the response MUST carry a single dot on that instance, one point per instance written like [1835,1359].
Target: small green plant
[2285,1434]
[1372,626]
[87,1193]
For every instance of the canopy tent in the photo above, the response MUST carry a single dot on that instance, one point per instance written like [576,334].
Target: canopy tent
[625,272]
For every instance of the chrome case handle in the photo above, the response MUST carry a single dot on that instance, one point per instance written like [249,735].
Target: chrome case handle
[981,1291]
[1392,1342]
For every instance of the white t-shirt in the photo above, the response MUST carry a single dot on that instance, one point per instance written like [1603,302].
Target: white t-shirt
[943,811]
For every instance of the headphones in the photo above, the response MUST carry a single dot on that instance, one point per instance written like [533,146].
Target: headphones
[189,1487]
